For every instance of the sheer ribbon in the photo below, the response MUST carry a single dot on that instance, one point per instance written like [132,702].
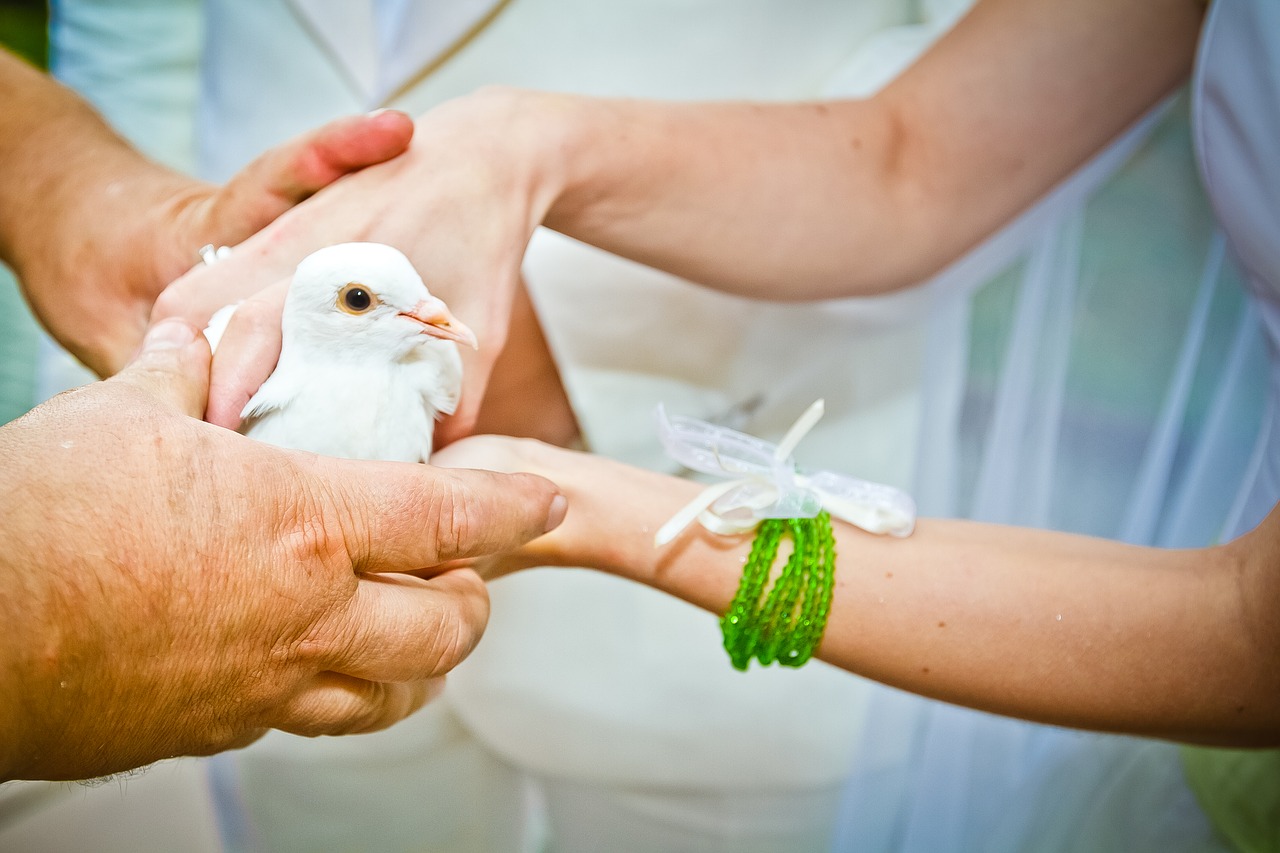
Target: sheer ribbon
[766,483]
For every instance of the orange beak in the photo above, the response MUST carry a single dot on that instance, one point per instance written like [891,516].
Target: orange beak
[438,322]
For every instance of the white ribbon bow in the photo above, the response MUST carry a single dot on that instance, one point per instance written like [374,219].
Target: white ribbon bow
[766,483]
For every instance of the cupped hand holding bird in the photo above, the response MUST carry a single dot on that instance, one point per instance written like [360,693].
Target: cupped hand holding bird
[368,360]
[177,588]
[461,203]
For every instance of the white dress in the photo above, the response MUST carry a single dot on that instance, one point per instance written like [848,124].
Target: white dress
[1207,472]
[598,715]
[644,700]
[1238,140]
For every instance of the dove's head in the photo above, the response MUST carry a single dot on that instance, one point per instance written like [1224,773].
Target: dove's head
[367,297]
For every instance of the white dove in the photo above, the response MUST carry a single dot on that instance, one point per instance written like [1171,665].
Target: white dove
[368,359]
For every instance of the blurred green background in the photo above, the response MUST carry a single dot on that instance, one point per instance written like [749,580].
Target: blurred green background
[23,29]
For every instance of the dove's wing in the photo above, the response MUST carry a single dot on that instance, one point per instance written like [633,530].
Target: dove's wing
[281,387]
[436,371]
[334,407]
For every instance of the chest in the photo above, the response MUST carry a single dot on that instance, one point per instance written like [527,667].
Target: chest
[348,413]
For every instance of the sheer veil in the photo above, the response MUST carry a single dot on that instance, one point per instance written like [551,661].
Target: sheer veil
[1093,367]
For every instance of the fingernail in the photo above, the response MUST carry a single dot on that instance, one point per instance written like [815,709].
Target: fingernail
[555,515]
[168,334]
[377,112]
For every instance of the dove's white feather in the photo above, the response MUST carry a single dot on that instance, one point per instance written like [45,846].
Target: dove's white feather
[360,386]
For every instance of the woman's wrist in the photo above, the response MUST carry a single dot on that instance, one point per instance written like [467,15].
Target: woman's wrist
[614,512]
[543,144]
[568,144]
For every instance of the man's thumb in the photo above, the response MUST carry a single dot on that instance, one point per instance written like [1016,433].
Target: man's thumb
[172,366]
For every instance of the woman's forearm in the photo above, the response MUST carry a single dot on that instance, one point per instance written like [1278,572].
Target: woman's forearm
[1045,626]
[777,201]
[801,201]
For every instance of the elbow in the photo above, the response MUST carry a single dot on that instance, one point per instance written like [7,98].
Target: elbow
[932,218]
[1253,562]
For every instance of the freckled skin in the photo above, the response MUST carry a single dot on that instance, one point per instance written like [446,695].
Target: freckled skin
[1008,654]
[168,587]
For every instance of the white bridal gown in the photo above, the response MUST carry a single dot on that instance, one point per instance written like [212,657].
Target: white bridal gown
[1205,469]
[602,716]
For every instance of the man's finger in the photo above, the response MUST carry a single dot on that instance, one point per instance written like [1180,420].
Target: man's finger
[402,628]
[344,145]
[172,366]
[247,353]
[411,516]
[336,704]
[291,173]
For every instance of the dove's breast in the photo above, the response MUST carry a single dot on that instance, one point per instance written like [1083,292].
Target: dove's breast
[341,411]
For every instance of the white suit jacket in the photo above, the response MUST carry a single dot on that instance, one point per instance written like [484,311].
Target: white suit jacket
[588,658]
[579,674]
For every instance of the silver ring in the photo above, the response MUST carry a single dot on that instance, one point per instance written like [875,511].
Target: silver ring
[211,256]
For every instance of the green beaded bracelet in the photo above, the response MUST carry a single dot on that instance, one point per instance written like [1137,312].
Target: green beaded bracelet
[786,625]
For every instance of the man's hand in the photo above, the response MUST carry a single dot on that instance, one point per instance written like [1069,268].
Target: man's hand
[462,203]
[96,294]
[613,508]
[168,587]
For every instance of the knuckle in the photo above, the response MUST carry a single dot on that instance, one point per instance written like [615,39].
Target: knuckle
[312,538]
[450,513]
[171,302]
[317,525]
[395,701]
[253,318]
[451,643]
[443,634]
[364,709]
[314,575]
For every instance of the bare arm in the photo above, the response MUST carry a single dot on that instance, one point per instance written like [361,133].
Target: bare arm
[95,230]
[1046,626]
[779,201]
[847,197]
[171,588]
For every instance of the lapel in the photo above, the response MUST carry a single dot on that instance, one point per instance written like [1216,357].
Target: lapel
[429,32]
[346,31]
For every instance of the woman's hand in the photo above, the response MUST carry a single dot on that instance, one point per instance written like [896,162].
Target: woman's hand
[613,509]
[462,203]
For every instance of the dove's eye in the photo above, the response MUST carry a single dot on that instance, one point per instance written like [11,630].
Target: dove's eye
[355,298]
